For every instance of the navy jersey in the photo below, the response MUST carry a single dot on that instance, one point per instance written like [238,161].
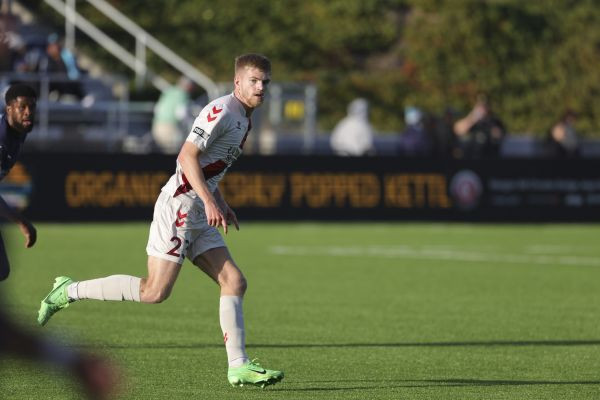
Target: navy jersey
[11,143]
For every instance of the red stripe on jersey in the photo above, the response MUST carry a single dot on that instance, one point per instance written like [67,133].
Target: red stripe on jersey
[184,187]
[209,171]
[214,169]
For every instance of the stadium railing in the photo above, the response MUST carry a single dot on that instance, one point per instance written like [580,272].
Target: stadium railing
[96,119]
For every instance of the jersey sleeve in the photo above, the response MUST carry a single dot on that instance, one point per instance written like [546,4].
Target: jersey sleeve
[209,125]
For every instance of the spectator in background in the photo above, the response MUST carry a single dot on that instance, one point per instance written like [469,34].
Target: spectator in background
[10,41]
[26,60]
[57,61]
[480,133]
[563,139]
[18,49]
[443,134]
[169,128]
[5,51]
[415,140]
[353,135]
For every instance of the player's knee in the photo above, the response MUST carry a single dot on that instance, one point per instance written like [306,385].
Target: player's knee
[243,285]
[155,295]
[235,283]
[239,285]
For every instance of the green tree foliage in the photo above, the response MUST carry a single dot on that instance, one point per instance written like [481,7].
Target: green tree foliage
[327,42]
[335,44]
[534,59]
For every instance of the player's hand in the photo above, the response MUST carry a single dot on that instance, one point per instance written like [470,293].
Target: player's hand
[214,216]
[29,232]
[231,218]
[478,112]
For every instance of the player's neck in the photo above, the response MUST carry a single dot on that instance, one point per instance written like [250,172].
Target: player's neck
[12,130]
[247,108]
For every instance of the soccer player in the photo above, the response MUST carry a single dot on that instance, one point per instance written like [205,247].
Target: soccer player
[99,378]
[187,214]
[15,124]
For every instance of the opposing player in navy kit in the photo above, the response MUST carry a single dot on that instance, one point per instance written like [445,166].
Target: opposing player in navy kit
[187,214]
[15,124]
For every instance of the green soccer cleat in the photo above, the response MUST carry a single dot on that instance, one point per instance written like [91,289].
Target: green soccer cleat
[253,374]
[56,300]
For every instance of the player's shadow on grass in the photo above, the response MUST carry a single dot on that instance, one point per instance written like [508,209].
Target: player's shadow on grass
[388,383]
[494,382]
[492,343]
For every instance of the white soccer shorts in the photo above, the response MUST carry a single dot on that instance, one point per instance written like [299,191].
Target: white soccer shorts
[179,229]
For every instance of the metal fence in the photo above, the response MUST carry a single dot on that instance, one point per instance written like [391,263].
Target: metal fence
[80,113]
[102,118]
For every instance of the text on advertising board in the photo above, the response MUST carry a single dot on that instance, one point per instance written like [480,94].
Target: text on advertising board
[113,189]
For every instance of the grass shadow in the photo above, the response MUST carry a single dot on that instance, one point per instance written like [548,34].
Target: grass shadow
[492,343]
[425,383]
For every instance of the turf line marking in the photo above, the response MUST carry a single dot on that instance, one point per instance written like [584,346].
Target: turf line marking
[432,253]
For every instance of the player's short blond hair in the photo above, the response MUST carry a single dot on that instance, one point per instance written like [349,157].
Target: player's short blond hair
[254,60]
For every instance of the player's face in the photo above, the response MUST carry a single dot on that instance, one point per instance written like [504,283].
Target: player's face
[20,114]
[251,86]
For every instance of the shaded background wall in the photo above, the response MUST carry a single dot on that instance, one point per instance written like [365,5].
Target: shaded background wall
[69,187]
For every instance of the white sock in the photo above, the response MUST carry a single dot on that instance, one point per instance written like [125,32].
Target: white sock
[114,287]
[232,325]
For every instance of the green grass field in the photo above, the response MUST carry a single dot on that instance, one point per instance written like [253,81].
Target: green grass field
[348,311]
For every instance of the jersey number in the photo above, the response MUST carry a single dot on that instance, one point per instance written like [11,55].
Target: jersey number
[173,251]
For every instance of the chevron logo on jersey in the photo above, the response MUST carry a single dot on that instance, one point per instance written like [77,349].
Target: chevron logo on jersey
[215,111]
[180,219]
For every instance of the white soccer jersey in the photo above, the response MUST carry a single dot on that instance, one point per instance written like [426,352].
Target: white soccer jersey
[219,131]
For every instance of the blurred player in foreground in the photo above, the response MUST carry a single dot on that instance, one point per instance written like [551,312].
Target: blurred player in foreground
[15,124]
[187,214]
[98,378]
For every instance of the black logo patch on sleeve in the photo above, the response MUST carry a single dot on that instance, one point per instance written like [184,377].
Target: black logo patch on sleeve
[199,131]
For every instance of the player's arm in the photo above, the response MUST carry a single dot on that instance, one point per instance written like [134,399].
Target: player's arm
[230,216]
[463,125]
[188,158]
[25,226]
[8,213]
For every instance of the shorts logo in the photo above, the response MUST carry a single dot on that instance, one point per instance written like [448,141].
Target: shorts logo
[199,131]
